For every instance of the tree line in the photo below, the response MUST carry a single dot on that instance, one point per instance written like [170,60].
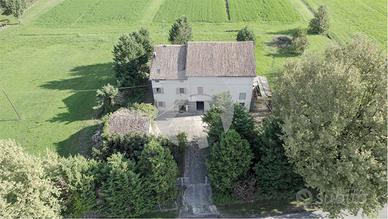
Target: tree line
[126,176]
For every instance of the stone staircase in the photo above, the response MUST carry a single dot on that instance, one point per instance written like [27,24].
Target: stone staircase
[197,196]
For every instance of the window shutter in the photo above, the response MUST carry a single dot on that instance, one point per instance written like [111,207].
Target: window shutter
[177,90]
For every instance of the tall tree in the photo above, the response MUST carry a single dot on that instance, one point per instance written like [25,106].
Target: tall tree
[25,189]
[74,177]
[107,99]
[180,32]
[245,35]
[131,56]
[320,23]
[334,113]
[273,170]
[229,161]
[121,189]
[13,7]
[225,114]
[159,171]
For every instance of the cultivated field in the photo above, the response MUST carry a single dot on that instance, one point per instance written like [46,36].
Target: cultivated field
[263,10]
[73,12]
[352,16]
[198,10]
[53,62]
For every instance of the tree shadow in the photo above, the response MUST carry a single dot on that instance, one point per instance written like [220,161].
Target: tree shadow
[78,143]
[84,83]
[282,44]
[284,32]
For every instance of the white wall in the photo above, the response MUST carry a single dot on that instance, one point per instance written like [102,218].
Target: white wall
[211,86]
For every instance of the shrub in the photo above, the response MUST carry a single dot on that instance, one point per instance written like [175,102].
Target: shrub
[180,32]
[130,145]
[245,35]
[25,189]
[299,41]
[159,172]
[146,108]
[320,23]
[106,99]
[229,161]
[182,141]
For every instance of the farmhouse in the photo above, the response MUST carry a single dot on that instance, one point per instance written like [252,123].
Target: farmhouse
[186,77]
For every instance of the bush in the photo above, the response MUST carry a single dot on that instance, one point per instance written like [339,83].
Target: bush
[182,141]
[273,171]
[26,191]
[229,161]
[245,35]
[130,145]
[299,41]
[13,7]
[180,32]
[107,99]
[159,172]
[320,23]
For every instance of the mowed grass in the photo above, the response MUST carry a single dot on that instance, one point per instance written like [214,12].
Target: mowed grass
[212,11]
[74,12]
[51,67]
[263,11]
[348,17]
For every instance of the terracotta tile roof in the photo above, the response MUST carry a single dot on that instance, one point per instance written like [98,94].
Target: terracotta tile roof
[217,59]
[124,121]
[168,62]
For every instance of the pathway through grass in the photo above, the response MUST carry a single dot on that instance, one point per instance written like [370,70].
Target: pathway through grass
[151,11]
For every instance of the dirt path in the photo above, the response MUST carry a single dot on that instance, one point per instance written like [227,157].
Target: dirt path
[197,197]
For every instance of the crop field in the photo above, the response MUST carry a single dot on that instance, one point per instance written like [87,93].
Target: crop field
[352,16]
[73,12]
[52,64]
[196,10]
[263,10]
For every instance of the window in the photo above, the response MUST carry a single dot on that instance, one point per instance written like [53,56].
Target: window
[242,96]
[200,90]
[181,91]
[158,90]
[161,104]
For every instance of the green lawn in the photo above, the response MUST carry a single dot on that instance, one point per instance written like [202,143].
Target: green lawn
[53,62]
